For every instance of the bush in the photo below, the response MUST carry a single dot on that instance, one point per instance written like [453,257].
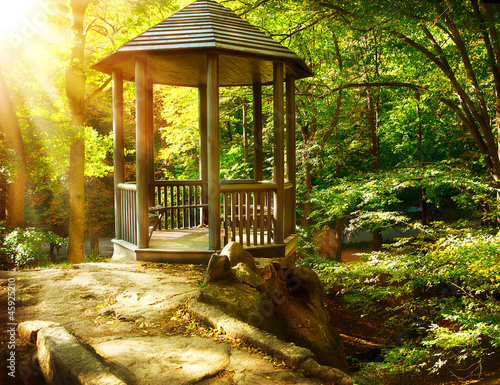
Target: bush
[24,246]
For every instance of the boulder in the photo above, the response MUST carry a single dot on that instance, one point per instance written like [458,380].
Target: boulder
[217,269]
[304,320]
[244,303]
[243,274]
[236,254]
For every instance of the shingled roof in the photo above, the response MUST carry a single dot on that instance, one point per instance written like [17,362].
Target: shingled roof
[176,49]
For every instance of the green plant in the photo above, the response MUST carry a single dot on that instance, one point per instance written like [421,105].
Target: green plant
[442,287]
[95,257]
[24,246]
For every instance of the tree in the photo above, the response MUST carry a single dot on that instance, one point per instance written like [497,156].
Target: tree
[75,91]
[452,39]
[16,184]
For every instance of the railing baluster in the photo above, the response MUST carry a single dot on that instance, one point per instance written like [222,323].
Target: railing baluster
[226,227]
[233,216]
[262,214]
[269,216]
[254,218]
[240,216]
[248,216]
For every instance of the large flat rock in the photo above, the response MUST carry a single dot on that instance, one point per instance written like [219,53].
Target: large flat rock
[166,360]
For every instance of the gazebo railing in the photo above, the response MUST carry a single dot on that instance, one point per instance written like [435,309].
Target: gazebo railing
[247,209]
[180,203]
[128,212]
[247,213]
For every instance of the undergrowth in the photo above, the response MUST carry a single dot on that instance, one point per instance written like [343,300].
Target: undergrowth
[444,288]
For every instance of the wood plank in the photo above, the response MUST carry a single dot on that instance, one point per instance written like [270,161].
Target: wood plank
[279,151]
[233,216]
[226,218]
[203,127]
[213,151]
[141,87]
[248,216]
[118,147]
[290,152]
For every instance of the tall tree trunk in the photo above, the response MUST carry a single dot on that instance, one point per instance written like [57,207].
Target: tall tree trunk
[15,189]
[374,151]
[338,230]
[75,91]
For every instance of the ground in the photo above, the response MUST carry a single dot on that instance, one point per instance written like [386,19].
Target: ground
[364,336]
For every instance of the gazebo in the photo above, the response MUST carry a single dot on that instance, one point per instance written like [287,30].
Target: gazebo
[207,46]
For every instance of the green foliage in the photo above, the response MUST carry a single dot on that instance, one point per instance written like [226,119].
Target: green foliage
[442,287]
[377,200]
[24,246]
[95,257]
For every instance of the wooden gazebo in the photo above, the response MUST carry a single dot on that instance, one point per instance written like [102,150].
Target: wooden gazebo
[207,46]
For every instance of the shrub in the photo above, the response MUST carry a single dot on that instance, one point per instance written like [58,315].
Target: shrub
[24,246]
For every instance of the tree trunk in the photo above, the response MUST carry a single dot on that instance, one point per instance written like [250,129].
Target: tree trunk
[75,91]
[94,242]
[15,189]
[375,152]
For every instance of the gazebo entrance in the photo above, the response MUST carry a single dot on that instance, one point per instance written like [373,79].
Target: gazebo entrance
[206,46]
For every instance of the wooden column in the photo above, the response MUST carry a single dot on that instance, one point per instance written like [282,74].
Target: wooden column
[290,147]
[279,150]
[213,152]
[118,146]
[151,145]
[203,151]
[141,92]
[257,129]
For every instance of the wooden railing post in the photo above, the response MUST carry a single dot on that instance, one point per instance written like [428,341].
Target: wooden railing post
[279,150]
[213,151]
[203,150]
[141,152]
[290,154]
[118,144]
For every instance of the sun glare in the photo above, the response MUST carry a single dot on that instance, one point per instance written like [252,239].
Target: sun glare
[14,14]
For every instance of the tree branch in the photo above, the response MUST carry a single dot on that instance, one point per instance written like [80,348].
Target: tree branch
[97,91]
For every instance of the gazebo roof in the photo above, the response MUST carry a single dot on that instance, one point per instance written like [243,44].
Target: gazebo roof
[177,49]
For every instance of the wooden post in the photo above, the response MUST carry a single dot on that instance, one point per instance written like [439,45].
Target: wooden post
[257,127]
[290,147]
[279,151]
[118,145]
[203,151]
[151,144]
[213,151]
[141,90]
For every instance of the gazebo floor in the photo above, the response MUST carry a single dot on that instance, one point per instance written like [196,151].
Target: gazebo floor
[191,246]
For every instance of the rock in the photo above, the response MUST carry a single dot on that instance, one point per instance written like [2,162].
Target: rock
[217,268]
[304,320]
[329,375]
[244,303]
[266,269]
[243,274]
[166,360]
[64,360]
[28,330]
[236,254]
